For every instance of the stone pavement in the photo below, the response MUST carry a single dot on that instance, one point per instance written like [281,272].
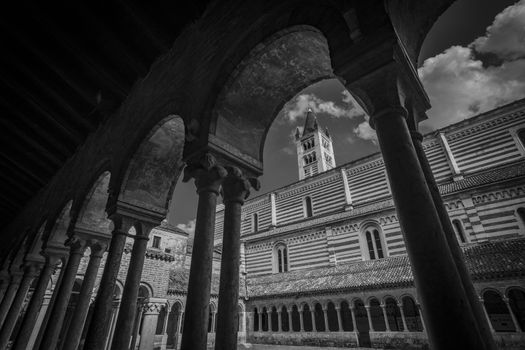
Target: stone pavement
[291,347]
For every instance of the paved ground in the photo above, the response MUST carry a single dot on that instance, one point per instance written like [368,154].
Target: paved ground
[290,347]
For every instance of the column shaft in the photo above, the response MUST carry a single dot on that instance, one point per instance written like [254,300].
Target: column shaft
[402,311]
[301,321]
[270,328]
[260,321]
[128,304]
[98,327]
[339,320]
[314,325]
[514,320]
[16,306]
[136,326]
[58,312]
[9,296]
[435,274]
[290,320]
[487,316]
[33,308]
[279,322]
[149,325]
[369,315]
[325,314]
[195,333]
[76,326]
[453,244]
[354,323]
[387,325]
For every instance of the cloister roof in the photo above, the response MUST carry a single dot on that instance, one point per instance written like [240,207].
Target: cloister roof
[495,259]
[179,277]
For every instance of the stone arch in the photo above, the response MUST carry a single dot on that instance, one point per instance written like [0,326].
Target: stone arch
[56,232]
[393,314]
[376,314]
[173,323]
[153,170]
[333,322]
[296,319]
[260,86]
[346,316]
[307,317]
[145,290]
[498,313]
[92,212]
[411,312]
[361,316]
[373,245]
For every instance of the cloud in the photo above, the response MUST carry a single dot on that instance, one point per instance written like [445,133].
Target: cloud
[364,131]
[188,228]
[461,82]
[506,36]
[298,107]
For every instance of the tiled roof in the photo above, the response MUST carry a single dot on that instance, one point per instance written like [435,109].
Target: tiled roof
[495,259]
[483,178]
[178,283]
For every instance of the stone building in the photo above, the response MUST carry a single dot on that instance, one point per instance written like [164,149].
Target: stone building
[105,107]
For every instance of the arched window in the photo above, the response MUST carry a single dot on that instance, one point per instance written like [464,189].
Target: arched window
[307,318]
[319,318]
[374,245]
[280,258]
[284,319]
[255,222]
[393,315]
[361,317]
[333,323]
[498,312]
[160,321]
[521,215]
[256,320]
[307,207]
[411,315]
[296,319]
[376,314]
[346,317]
[264,325]
[458,227]
[275,319]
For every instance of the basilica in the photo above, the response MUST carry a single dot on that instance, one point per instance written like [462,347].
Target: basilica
[107,105]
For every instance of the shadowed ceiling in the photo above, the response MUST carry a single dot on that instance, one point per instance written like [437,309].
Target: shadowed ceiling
[64,68]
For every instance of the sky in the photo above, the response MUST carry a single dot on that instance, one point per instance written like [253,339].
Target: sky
[472,60]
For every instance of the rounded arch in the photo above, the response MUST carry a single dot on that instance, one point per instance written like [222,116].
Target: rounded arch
[56,231]
[145,290]
[497,311]
[376,314]
[280,256]
[411,312]
[372,241]
[154,168]
[91,214]
[274,71]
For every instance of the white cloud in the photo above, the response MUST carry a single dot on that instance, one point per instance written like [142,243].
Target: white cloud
[364,131]
[506,36]
[298,107]
[188,227]
[460,85]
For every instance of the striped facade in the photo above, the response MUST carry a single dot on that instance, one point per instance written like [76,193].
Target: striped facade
[461,156]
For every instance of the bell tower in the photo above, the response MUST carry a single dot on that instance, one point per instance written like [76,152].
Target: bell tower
[315,153]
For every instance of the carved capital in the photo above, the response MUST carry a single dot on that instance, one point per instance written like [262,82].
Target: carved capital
[236,186]
[76,244]
[151,308]
[207,173]
[97,248]
[32,268]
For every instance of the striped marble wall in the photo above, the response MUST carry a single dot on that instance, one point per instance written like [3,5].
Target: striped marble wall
[479,144]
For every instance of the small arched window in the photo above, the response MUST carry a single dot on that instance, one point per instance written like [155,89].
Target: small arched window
[280,258]
[460,232]
[308,209]
[521,215]
[255,222]
[374,244]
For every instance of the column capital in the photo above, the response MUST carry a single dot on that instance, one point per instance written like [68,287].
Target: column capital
[206,171]
[151,308]
[76,244]
[97,247]
[32,268]
[236,185]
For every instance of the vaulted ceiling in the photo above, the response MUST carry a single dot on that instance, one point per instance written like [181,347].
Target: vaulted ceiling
[64,68]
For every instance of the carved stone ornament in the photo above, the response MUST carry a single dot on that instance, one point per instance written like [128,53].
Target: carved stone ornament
[207,173]
[236,187]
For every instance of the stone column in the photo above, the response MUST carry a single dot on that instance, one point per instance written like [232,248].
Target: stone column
[301,320]
[453,245]
[33,308]
[235,189]
[208,177]
[354,323]
[487,315]
[31,270]
[111,324]
[179,322]
[290,319]
[325,314]
[385,315]
[421,317]
[128,304]
[149,326]
[213,321]
[339,319]
[269,312]
[314,325]
[402,311]
[279,321]
[97,334]
[136,326]
[369,315]
[58,312]
[10,294]
[435,274]
[74,332]
[4,283]
[514,320]
[259,315]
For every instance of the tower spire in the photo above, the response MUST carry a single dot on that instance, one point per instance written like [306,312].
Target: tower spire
[314,147]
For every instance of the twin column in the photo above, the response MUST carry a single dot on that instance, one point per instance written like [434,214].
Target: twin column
[209,177]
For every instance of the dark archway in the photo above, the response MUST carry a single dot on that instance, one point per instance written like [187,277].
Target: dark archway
[333,323]
[256,320]
[307,318]
[498,312]
[361,317]
[394,315]
[296,319]
[412,317]
[319,318]
[346,317]
[376,314]
[264,320]
[275,319]
[284,319]
[517,304]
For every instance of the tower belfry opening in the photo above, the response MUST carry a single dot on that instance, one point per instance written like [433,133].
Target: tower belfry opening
[315,153]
